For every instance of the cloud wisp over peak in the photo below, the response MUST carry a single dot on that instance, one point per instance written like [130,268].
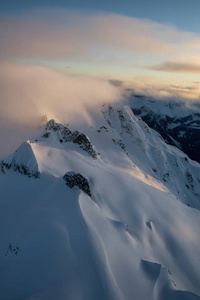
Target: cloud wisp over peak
[28,92]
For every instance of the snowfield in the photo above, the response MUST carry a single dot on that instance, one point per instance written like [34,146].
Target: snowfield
[134,235]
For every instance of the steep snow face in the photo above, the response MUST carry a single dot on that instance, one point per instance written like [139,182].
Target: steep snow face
[105,218]
[147,150]
[22,161]
[178,124]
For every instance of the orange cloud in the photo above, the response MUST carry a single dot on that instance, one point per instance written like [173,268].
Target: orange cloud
[178,67]
[26,37]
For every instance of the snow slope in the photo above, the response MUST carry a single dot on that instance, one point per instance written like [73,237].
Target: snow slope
[132,236]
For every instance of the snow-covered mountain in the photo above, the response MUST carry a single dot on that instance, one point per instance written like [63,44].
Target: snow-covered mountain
[100,210]
[177,122]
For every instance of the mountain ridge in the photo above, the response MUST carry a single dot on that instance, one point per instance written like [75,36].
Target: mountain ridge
[116,230]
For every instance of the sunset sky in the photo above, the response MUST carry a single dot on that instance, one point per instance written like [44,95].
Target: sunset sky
[58,58]
[144,42]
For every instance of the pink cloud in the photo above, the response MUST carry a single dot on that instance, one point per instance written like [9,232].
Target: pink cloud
[68,33]
[29,92]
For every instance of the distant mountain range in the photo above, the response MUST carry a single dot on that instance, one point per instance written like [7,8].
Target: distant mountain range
[178,124]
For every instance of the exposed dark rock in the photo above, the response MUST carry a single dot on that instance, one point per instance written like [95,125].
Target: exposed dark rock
[120,143]
[189,176]
[12,250]
[102,128]
[20,168]
[75,179]
[166,177]
[125,125]
[46,135]
[182,132]
[66,135]
[5,166]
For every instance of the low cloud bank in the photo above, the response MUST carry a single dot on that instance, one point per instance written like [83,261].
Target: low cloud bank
[189,94]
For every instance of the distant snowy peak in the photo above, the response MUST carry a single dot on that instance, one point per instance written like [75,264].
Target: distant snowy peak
[146,149]
[64,135]
[132,132]
[123,120]
[178,123]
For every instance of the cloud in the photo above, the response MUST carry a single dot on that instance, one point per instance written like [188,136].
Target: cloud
[158,91]
[27,37]
[66,33]
[29,92]
[177,67]
[182,87]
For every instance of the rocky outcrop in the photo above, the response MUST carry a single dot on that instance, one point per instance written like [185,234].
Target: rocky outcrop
[120,143]
[179,131]
[76,179]
[20,168]
[65,135]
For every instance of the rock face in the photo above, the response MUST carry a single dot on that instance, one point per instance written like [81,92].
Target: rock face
[65,135]
[180,130]
[75,179]
[20,168]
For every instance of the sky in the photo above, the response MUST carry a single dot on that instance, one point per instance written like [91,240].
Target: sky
[183,14]
[66,54]
[154,42]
